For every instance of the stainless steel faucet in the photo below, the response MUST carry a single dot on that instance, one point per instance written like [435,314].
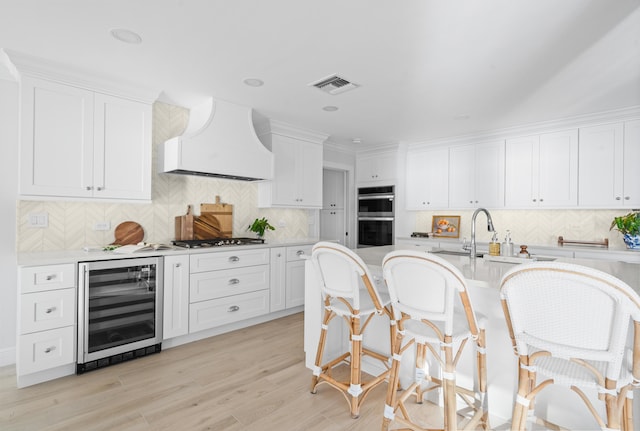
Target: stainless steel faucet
[472,251]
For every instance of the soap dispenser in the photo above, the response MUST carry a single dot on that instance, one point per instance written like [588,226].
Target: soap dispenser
[507,246]
[494,245]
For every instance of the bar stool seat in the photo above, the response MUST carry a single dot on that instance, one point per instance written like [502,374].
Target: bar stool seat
[348,292]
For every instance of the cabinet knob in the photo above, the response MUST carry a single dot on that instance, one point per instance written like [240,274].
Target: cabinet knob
[541,200]
[49,349]
[470,202]
[233,308]
[177,265]
[300,252]
[50,277]
[535,200]
[234,281]
[618,198]
[99,188]
[89,188]
[626,198]
[234,259]
[50,310]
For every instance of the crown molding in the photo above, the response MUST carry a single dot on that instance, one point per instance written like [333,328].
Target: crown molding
[285,129]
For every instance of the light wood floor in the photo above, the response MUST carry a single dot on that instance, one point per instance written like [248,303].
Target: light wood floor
[251,379]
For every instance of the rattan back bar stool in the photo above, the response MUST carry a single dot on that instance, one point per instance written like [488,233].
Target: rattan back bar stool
[569,326]
[348,292]
[433,311]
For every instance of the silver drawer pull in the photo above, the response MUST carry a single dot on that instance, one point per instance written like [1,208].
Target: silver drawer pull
[234,259]
[300,252]
[233,308]
[234,281]
[50,310]
[49,349]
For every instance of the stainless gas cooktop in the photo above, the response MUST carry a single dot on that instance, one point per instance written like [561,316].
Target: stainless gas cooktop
[217,242]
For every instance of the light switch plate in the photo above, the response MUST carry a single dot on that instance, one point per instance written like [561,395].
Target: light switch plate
[38,220]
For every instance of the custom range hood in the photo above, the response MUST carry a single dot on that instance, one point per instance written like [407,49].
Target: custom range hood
[219,141]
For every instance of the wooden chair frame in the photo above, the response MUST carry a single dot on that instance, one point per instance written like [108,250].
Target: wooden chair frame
[354,390]
[444,349]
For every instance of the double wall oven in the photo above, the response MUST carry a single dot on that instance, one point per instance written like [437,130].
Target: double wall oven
[119,311]
[375,216]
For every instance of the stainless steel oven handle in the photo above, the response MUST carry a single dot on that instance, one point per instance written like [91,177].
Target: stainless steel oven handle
[375,218]
[364,197]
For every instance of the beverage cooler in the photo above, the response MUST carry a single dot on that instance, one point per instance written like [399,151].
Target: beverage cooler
[119,311]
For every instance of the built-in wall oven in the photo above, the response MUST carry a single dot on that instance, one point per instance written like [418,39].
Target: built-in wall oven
[119,311]
[375,216]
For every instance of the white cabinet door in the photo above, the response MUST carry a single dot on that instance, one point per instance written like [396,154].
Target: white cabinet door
[332,225]
[297,181]
[277,282]
[81,144]
[609,154]
[122,148]
[333,186]
[295,283]
[376,168]
[541,171]
[427,179]
[631,156]
[476,175]
[175,318]
[462,177]
[57,139]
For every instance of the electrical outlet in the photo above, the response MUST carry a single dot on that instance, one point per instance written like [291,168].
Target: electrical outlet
[282,223]
[38,220]
[102,225]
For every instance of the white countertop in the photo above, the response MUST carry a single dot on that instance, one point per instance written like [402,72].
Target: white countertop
[485,273]
[73,256]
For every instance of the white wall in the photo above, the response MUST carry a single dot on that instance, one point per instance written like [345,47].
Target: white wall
[8,195]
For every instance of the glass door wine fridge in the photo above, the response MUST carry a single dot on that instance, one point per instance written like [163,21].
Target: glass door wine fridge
[119,311]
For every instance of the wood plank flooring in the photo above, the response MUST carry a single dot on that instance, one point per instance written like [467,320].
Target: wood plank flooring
[250,379]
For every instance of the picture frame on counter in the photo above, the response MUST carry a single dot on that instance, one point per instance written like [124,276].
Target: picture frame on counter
[446,226]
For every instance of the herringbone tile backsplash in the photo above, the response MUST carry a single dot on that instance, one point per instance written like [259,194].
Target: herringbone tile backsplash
[71,224]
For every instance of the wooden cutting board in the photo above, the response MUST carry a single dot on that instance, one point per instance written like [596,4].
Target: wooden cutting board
[207,226]
[223,213]
[184,226]
[128,232]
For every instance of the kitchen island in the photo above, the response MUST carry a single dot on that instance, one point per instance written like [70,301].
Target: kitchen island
[483,278]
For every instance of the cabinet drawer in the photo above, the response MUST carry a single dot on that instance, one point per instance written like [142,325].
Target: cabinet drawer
[228,259]
[47,349]
[226,282]
[296,253]
[50,277]
[47,310]
[209,314]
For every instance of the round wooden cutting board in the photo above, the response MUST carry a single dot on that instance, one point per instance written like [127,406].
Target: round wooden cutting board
[128,232]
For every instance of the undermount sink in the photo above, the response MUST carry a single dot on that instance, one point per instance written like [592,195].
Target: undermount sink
[454,252]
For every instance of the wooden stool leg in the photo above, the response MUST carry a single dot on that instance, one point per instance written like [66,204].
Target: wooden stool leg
[392,387]
[320,350]
[449,387]
[482,378]
[518,421]
[611,403]
[356,372]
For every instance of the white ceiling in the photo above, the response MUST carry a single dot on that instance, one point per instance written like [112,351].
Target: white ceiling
[427,68]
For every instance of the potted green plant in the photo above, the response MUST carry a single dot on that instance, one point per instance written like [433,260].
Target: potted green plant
[260,225]
[629,226]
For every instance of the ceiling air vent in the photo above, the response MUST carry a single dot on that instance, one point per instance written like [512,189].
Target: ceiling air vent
[334,84]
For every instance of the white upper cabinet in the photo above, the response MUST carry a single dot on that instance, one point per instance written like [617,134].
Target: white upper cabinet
[78,143]
[541,171]
[427,178]
[333,186]
[476,175]
[608,176]
[297,181]
[378,168]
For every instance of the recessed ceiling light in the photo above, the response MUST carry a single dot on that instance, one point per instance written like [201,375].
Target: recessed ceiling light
[330,108]
[126,36]
[253,82]
[356,141]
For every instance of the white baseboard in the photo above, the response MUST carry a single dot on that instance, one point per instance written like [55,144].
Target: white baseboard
[7,356]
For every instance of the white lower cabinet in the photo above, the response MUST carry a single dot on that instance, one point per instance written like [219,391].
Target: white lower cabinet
[46,322]
[287,276]
[227,287]
[175,316]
